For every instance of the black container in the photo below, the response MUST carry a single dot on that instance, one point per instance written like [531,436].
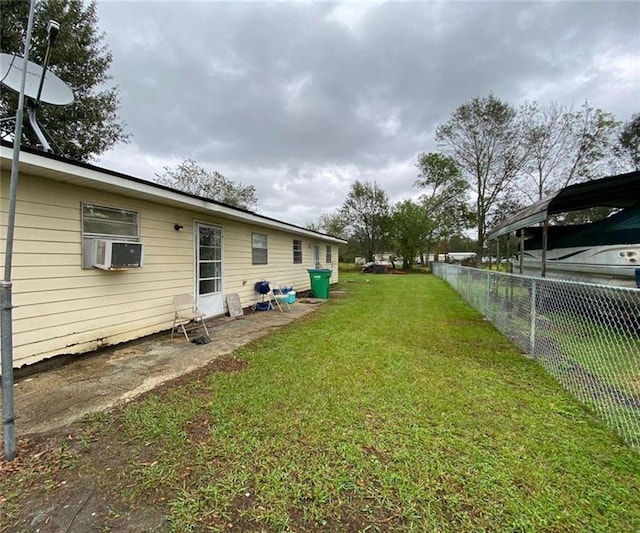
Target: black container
[262,287]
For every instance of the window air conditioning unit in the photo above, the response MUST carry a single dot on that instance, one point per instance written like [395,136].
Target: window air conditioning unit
[116,255]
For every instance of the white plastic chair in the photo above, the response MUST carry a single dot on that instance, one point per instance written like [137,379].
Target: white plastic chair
[187,316]
[271,298]
[280,297]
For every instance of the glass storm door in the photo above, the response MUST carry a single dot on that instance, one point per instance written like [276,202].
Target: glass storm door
[209,270]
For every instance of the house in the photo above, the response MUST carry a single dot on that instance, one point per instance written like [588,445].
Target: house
[159,242]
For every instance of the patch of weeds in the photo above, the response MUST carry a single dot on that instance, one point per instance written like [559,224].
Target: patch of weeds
[9,499]
[96,418]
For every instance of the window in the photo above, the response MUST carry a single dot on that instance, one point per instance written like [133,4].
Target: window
[328,261]
[99,222]
[297,251]
[316,255]
[258,249]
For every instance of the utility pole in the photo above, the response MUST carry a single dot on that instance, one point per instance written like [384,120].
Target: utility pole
[6,304]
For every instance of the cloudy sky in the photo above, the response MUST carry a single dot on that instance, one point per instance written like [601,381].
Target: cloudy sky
[300,99]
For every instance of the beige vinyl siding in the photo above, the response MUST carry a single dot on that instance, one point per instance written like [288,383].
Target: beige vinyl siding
[280,267]
[60,308]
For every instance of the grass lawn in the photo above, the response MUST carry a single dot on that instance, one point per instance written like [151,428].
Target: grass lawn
[394,407]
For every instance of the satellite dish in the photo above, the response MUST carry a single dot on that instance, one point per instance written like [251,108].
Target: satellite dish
[54,90]
[41,85]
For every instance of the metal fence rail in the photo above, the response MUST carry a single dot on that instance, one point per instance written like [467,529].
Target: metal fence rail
[586,336]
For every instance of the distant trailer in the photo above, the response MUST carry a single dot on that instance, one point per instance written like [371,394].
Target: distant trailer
[459,256]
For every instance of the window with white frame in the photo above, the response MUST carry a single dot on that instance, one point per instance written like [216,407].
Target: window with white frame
[328,257]
[101,222]
[258,249]
[297,251]
[316,255]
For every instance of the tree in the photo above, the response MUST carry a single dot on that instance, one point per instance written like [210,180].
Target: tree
[549,139]
[461,243]
[90,125]
[628,148]
[331,224]
[192,178]
[409,227]
[444,200]
[564,146]
[366,210]
[336,225]
[484,137]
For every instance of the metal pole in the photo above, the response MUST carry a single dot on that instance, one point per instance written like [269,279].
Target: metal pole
[488,304]
[521,259]
[32,106]
[534,318]
[545,236]
[44,73]
[6,318]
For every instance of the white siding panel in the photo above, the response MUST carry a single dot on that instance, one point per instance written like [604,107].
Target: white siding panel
[279,269]
[28,273]
[45,285]
[42,221]
[35,247]
[84,296]
[76,343]
[42,234]
[61,308]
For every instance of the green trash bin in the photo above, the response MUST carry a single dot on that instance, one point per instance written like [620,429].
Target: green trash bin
[320,279]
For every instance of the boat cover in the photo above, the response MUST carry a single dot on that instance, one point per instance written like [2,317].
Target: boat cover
[621,191]
[621,228]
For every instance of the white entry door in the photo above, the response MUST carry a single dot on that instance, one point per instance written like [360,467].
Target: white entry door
[209,269]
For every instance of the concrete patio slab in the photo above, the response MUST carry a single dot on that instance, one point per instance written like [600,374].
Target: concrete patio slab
[93,382]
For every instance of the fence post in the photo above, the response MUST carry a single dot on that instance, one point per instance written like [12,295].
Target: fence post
[532,338]
[469,284]
[488,295]
[597,372]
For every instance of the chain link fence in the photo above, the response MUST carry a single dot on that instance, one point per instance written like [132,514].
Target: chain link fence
[586,336]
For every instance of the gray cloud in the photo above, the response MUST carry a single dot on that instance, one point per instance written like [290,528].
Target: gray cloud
[300,97]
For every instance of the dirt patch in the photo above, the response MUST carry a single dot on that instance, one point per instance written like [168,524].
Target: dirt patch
[466,321]
[50,488]
[227,364]
[199,429]
[66,480]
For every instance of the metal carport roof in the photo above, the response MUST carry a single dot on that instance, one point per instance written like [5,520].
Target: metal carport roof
[622,190]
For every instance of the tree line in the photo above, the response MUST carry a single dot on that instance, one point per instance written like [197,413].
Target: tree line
[493,160]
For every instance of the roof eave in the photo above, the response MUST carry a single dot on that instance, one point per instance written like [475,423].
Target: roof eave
[60,169]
